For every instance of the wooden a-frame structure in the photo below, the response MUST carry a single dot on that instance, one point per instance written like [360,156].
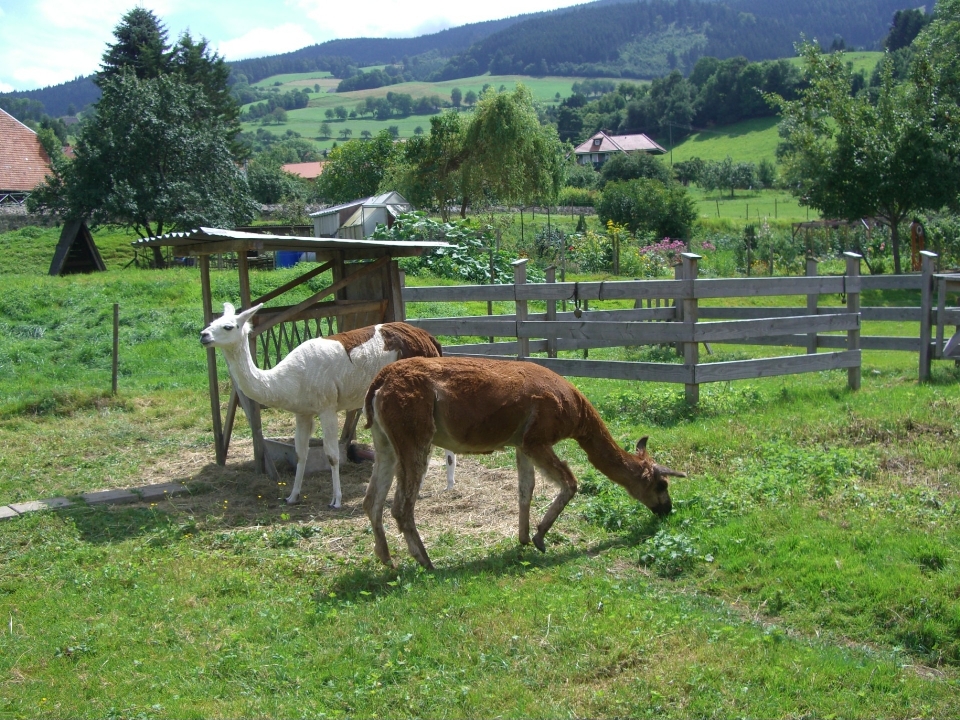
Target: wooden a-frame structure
[366,289]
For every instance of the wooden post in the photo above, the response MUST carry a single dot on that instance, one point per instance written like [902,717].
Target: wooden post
[691,350]
[251,408]
[551,277]
[853,306]
[212,381]
[812,299]
[116,346]
[941,307]
[493,270]
[927,266]
[520,278]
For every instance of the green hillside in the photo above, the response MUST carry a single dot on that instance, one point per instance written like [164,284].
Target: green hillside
[747,141]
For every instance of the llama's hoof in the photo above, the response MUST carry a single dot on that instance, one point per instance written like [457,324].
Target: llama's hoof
[334,505]
[538,543]
[293,500]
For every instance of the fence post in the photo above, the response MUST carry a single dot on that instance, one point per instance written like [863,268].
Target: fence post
[691,349]
[551,276]
[678,303]
[520,278]
[812,299]
[927,266]
[116,347]
[853,306]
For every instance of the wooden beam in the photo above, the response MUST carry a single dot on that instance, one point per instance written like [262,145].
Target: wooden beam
[212,380]
[319,270]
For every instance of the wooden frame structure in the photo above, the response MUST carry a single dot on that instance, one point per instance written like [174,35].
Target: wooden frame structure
[366,289]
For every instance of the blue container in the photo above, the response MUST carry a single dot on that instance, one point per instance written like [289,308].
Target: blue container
[287,258]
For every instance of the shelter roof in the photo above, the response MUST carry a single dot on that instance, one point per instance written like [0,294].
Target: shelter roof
[211,241]
[392,200]
[23,161]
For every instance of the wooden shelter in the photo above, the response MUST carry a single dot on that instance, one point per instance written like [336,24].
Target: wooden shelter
[366,289]
[76,252]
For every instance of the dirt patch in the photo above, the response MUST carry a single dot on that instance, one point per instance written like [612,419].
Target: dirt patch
[482,502]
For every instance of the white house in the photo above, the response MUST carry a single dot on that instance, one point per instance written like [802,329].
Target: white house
[601,147]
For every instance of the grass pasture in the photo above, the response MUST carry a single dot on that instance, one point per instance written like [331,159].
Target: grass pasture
[747,141]
[307,120]
[809,568]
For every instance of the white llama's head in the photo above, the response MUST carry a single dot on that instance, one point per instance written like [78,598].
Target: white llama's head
[227,330]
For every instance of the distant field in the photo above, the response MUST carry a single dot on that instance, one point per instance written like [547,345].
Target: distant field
[747,141]
[756,205]
[307,121]
[861,60]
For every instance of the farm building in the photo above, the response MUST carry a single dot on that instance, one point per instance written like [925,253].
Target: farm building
[23,161]
[601,147]
[358,219]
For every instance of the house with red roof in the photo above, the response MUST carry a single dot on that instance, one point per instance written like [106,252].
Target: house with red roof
[23,161]
[601,147]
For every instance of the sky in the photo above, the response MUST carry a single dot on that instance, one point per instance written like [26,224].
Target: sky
[47,42]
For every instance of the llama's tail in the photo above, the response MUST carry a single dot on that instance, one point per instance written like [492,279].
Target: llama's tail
[437,345]
[368,400]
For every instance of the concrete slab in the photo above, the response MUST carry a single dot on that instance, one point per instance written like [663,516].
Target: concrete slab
[7,512]
[109,497]
[46,504]
[152,493]
[284,453]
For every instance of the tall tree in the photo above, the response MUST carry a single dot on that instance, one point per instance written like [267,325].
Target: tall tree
[141,47]
[851,159]
[146,163]
[355,169]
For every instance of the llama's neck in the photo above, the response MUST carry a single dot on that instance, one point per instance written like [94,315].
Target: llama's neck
[602,450]
[253,382]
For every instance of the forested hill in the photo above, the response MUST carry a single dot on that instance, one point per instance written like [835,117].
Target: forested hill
[861,23]
[636,39]
[373,51]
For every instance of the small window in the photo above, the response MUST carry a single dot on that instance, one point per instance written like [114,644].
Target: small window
[597,141]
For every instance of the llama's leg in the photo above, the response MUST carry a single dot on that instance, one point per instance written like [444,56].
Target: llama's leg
[527,478]
[557,471]
[384,468]
[331,448]
[410,469]
[451,467]
[301,442]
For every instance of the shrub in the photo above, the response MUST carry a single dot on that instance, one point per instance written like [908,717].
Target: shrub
[577,197]
[648,206]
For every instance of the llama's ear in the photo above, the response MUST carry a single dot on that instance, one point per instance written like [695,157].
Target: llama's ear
[229,309]
[248,313]
[642,445]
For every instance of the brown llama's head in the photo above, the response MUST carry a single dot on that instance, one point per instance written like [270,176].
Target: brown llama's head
[648,484]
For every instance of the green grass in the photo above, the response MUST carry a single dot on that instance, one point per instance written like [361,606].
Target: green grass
[747,141]
[752,205]
[307,120]
[809,568]
[861,60]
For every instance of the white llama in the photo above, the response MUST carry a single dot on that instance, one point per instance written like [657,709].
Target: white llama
[317,378]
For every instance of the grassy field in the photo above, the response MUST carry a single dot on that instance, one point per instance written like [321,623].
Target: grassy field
[752,205]
[747,141]
[809,568]
[307,121]
[860,60]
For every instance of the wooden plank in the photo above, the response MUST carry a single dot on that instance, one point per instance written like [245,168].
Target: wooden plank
[890,282]
[664,314]
[616,370]
[619,290]
[319,270]
[458,293]
[216,248]
[754,313]
[771,367]
[757,287]
[627,333]
[457,326]
[891,314]
[767,327]
[329,308]
[213,382]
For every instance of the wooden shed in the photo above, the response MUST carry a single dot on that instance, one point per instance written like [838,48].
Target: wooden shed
[366,290]
[76,252]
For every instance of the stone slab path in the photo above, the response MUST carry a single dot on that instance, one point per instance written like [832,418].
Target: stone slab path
[147,493]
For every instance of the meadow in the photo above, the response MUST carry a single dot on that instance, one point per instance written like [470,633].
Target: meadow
[809,569]
[307,120]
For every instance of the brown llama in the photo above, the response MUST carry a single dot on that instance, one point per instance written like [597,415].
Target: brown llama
[472,405]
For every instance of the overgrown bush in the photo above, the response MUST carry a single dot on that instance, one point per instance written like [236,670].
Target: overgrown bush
[467,261]
[577,197]
[648,206]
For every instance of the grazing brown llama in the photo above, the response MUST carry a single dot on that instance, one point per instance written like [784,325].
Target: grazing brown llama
[470,405]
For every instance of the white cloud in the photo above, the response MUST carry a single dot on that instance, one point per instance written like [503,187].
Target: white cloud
[4,87]
[266,41]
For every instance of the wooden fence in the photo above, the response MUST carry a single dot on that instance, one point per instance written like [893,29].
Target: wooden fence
[670,312]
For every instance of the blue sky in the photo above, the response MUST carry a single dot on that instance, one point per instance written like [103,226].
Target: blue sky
[46,42]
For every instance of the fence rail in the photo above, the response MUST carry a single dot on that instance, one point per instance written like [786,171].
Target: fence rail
[673,315]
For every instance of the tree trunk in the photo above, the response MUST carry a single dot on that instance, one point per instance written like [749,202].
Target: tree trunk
[158,260]
[463,207]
